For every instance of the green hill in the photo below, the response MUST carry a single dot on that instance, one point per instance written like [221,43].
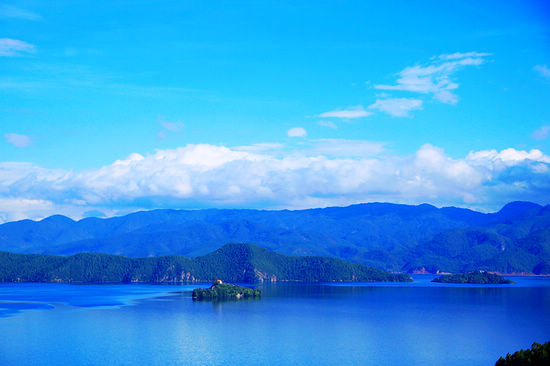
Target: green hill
[244,263]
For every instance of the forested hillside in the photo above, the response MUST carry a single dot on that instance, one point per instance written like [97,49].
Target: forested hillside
[232,263]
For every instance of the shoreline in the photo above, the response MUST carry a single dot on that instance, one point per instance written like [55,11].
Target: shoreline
[258,283]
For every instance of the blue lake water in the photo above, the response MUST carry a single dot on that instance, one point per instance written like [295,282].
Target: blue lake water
[420,323]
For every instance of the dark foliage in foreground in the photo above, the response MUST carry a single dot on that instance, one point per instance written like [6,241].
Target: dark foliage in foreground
[537,355]
[243,263]
[479,277]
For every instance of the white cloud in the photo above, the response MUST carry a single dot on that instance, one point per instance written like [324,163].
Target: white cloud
[296,132]
[13,47]
[541,133]
[327,172]
[397,107]
[435,77]
[326,123]
[350,113]
[543,70]
[508,157]
[10,11]
[18,140]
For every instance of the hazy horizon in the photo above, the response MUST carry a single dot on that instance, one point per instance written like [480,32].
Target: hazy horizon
[101,215]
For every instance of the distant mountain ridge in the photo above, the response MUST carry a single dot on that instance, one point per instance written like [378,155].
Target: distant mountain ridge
[243,263]
[389,236]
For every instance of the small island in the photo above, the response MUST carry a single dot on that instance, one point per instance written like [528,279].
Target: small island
[475,277]
[225,291]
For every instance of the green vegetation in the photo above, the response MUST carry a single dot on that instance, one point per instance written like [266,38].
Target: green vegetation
[244,263]
[225,291]
[479,277]
[538,354]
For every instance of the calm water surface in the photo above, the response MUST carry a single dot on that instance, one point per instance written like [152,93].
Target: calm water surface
[421,323]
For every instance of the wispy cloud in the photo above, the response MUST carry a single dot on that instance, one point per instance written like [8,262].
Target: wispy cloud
[541,133]
[172,126]
[324,148]
[435,77]
[349,113]
[296,132]
[17,140]
[262,147]
[14,47]
[169,127]
[10,11]
[346,148]
[543,70]
[328,124]
[397,107]
[461,55]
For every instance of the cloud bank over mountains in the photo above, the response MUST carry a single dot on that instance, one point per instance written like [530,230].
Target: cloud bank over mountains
[320,173]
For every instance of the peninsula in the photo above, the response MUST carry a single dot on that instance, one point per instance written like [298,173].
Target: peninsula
[237,263]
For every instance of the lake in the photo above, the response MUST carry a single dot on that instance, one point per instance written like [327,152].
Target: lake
[419,323]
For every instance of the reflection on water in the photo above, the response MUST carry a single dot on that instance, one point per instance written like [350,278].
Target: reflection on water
[366,324]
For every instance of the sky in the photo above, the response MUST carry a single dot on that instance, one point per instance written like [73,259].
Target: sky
[108,107]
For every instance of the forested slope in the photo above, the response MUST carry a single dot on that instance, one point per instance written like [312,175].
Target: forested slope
[232,263]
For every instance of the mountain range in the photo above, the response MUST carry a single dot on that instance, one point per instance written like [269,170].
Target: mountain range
[392,237]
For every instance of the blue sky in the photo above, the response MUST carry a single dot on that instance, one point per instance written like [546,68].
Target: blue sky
[122,105]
